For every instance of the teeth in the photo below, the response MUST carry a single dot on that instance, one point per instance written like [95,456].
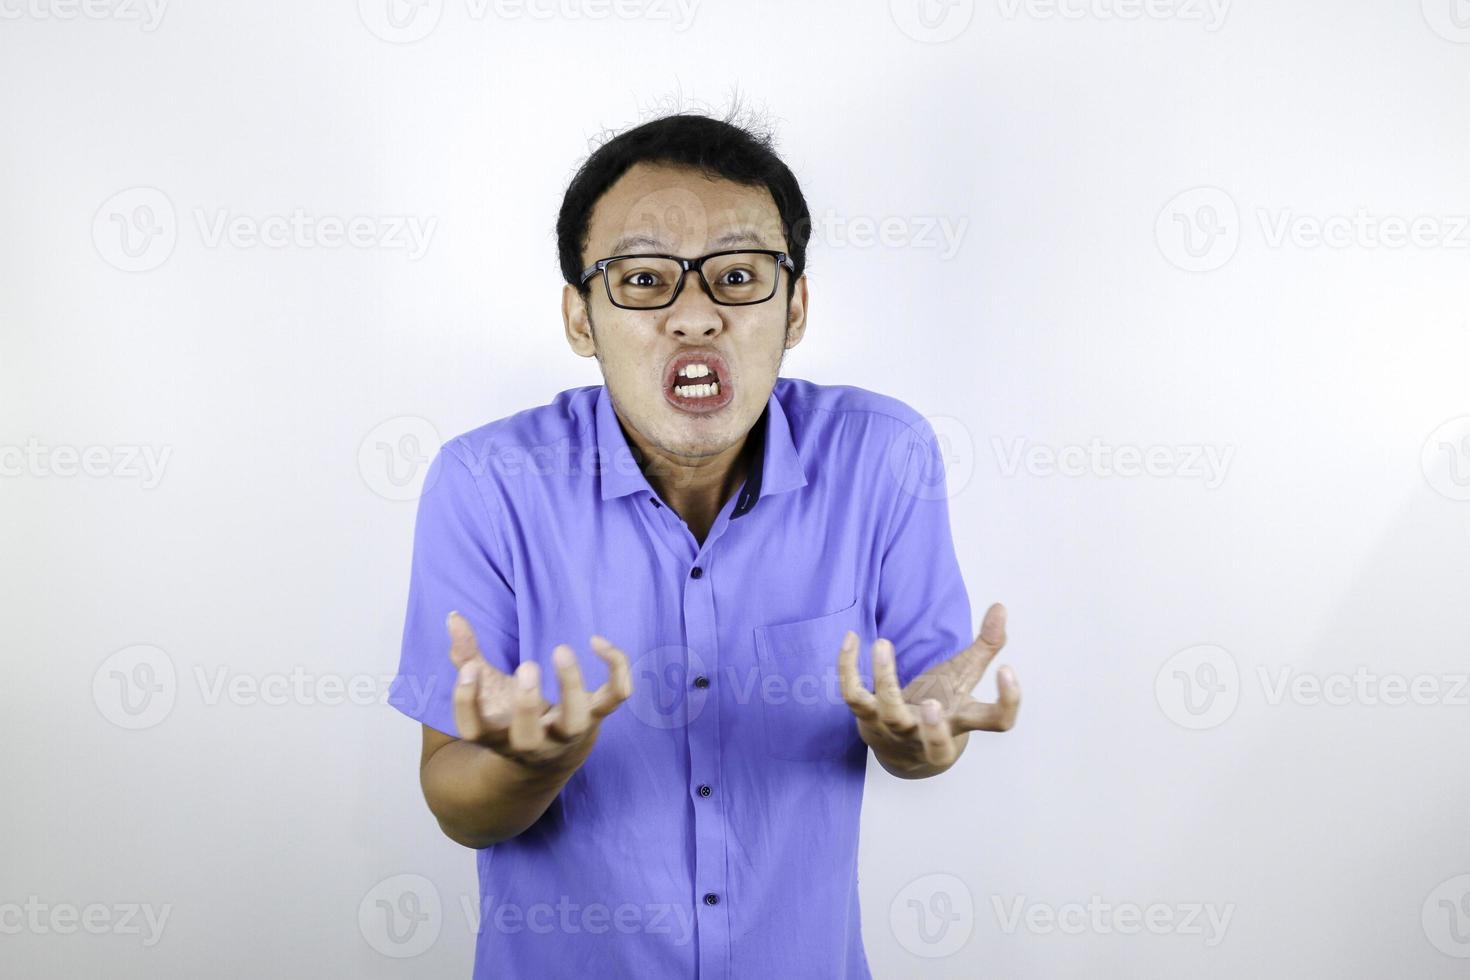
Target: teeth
[698,391]
[694,370]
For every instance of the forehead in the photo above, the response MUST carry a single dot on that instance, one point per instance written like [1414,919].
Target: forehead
[660,208]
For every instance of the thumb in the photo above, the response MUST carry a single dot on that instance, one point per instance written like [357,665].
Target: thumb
[463,647]
[993,627]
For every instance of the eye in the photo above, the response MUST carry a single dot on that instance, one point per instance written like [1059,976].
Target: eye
[737,277]
[643,278]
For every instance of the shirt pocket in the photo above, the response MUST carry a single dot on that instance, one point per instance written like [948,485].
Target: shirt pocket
[800,694]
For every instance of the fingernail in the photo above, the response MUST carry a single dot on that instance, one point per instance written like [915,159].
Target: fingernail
[450,618]
[930,709]
[562,656]
[526,677]
[466,674]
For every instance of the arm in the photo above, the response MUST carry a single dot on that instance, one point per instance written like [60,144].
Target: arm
[515,752]
[918,717]
[479,786]
[481,798]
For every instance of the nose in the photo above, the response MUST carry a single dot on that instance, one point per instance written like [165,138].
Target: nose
[693,313]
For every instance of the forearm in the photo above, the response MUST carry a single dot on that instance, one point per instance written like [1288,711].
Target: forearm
[481,798]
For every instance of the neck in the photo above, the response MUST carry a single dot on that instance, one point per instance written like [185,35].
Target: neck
[695,487]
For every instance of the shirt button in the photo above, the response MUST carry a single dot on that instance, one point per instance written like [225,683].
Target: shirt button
[701,681]
[705,791]
[710,898]
[695,572]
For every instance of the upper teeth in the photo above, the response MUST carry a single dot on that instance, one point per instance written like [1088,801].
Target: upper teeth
[694,370]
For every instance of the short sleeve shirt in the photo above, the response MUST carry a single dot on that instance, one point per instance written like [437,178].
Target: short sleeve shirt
[713,830]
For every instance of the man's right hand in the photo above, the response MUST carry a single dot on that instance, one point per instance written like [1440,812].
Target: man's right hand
[507,714]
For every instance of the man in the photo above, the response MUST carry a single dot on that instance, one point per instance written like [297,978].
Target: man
[686,802]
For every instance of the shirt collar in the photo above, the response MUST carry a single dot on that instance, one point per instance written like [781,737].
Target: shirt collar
[775,468]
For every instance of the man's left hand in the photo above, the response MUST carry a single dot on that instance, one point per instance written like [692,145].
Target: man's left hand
[919,730]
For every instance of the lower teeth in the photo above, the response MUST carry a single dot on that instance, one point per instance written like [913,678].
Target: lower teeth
[698,391]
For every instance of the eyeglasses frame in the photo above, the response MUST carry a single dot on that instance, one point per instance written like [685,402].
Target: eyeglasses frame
[686,266]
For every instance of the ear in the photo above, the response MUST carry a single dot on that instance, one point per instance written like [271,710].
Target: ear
[796,313]
[574,318]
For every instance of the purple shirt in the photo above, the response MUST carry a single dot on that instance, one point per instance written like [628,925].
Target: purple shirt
[713,830]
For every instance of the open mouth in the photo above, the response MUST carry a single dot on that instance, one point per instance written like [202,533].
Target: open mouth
[698,382]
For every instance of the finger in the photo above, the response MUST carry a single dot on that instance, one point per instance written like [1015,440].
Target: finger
[987,644]
[893,711]
[857,696]
[463,647]
[980,716]
[619,684]
[939,747]
[525,716]
[569,719]
[466,702]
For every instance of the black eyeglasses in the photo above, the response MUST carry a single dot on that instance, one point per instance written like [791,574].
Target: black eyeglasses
[738,277]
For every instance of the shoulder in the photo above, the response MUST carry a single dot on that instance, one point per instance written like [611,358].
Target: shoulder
[848,411]
[563,420]
[543,440]
[871,439]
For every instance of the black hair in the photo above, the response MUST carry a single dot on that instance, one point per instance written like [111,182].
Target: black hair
[718,148]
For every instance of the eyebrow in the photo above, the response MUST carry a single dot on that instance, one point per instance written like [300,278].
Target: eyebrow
[622,245]
[738,238]
[635,241]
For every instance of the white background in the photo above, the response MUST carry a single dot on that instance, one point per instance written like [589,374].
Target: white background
[1331,378]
